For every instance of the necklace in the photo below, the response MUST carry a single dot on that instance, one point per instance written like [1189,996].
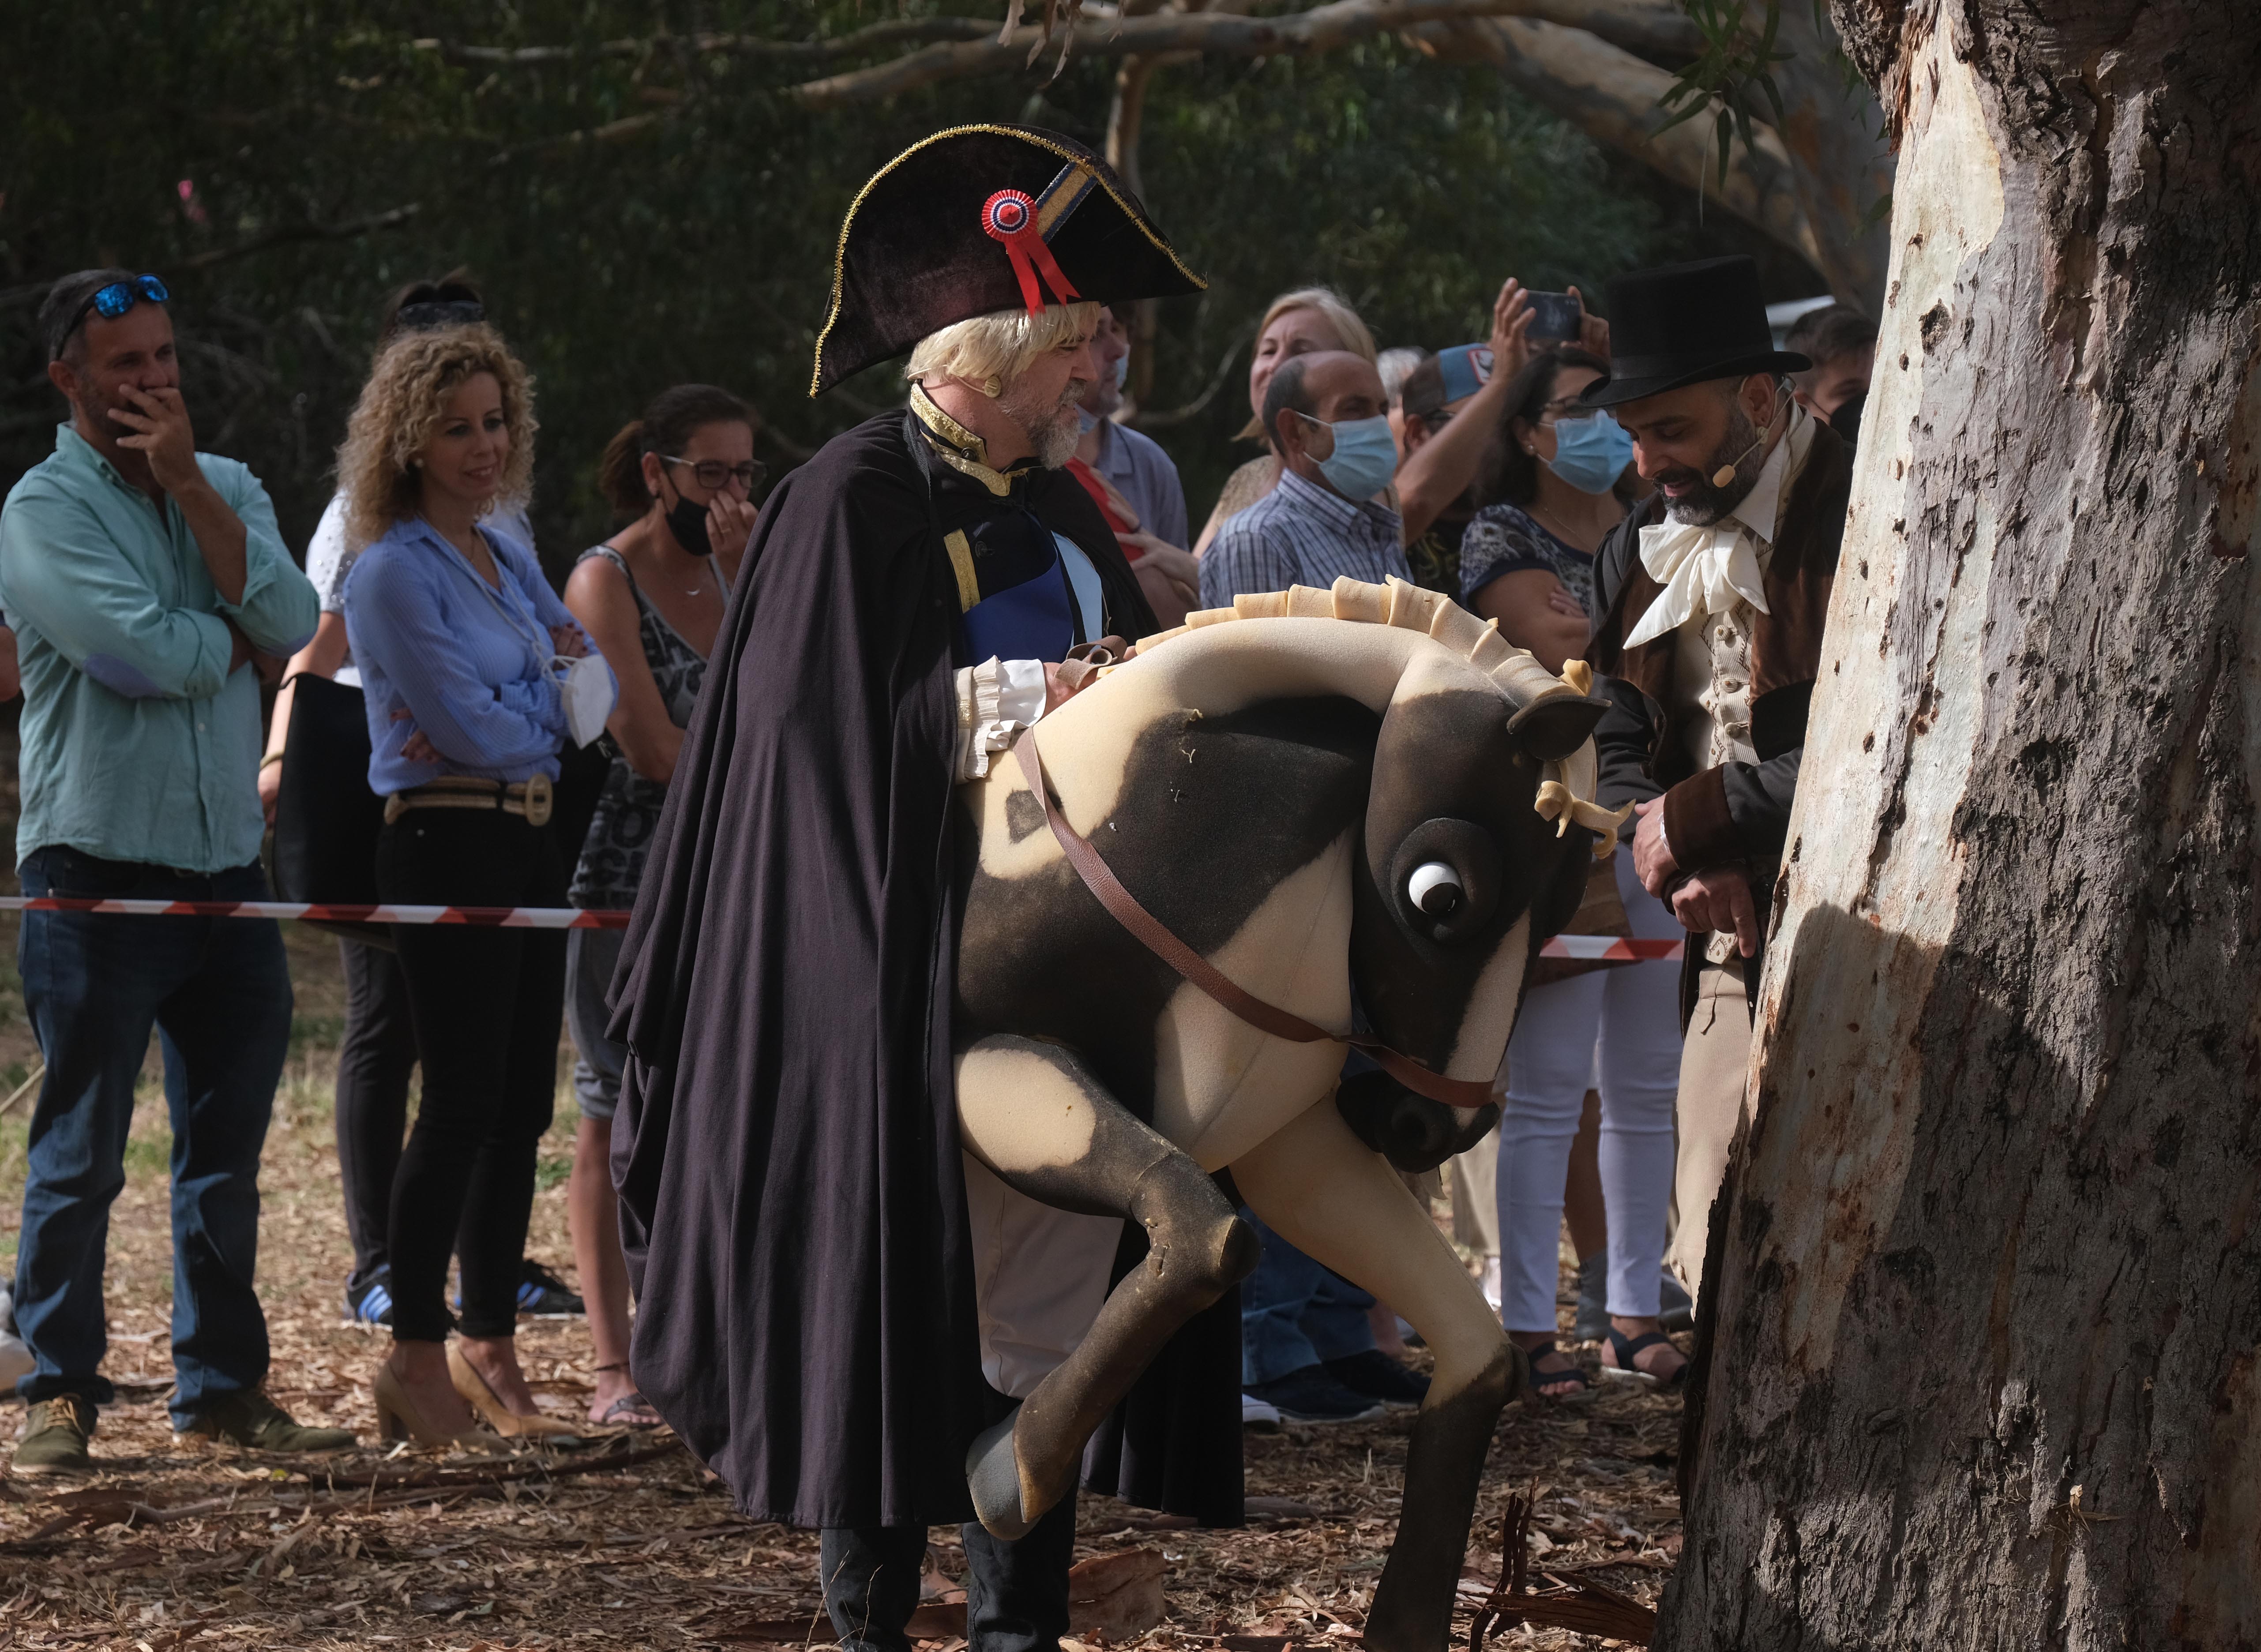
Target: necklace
[1554,525]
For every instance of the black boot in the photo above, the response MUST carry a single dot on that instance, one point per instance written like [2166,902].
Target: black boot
[872,1584]
[1017,1593]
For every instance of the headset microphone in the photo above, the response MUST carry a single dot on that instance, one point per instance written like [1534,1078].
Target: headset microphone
[1725,473]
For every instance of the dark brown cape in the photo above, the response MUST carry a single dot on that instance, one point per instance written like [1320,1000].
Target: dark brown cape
[786,1148]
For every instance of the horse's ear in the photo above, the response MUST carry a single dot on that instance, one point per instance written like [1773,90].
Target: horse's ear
[1556,726]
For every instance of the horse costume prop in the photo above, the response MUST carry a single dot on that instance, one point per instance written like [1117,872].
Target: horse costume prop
[1312,793]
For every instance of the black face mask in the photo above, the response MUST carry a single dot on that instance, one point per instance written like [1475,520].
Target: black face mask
[687,522]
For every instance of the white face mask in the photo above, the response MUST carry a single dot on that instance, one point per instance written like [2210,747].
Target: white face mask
[586,686]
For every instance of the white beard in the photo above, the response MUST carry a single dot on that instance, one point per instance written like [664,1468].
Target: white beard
[1053,431]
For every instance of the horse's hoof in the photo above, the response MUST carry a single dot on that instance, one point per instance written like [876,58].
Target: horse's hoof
[993,1474]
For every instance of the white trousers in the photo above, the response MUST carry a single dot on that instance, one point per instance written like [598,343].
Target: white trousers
[1617,1030]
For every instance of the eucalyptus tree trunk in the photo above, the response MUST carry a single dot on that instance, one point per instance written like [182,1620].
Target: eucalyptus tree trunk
[1983,1362]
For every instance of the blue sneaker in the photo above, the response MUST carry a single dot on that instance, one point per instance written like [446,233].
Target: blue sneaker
[372,1304]
[541,1295]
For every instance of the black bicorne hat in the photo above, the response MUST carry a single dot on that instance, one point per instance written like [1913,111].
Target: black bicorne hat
[1683,324]
[978,219]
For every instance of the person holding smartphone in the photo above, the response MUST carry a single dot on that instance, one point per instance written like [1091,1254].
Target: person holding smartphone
[1453,407]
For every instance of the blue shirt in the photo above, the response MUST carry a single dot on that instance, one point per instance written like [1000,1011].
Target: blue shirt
[1145,475]
[138,744]
[1298,535]
[469,664]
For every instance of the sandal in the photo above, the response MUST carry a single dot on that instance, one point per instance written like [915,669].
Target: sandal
[1624,1349]
[631,1411]
[1573,1373]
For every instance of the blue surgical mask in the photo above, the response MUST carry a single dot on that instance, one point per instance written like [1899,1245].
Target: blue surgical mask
[1122,371]
[1590,453]
[1363,460]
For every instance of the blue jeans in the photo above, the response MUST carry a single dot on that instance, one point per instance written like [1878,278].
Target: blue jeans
[218,990]
[1294,1313]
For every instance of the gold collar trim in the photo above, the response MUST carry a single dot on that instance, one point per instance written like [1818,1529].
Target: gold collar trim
[958,446]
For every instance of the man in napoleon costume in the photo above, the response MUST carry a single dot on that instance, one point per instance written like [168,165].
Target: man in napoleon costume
[1712,599]
[787,1156]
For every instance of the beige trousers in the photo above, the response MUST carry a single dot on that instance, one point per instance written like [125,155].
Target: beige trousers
[1473,1179]
[1712,1064]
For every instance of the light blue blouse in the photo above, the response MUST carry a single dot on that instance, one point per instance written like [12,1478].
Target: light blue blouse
[471,664]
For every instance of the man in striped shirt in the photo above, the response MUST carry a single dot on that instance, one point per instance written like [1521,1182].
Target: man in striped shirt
[1307,1349]
[1324,412]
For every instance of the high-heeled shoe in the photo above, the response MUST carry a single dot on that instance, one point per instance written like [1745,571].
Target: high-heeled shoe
[397,1418]
[496,1415]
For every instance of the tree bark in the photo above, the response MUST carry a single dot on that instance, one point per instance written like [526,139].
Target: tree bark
[1981,1330]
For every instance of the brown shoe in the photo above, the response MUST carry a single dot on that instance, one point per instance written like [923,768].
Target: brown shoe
[56,1436]
[248,1418]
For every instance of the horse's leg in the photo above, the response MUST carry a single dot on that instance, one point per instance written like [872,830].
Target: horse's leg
[1333,1197]
[1033,1113]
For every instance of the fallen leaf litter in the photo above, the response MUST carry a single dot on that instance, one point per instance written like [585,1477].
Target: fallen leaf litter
[626,1541]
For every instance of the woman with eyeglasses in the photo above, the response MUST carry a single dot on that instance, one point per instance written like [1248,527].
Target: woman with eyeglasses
[1527,561]
[652,596]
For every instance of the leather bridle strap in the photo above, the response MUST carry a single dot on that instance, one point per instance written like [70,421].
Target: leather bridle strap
[1156,938]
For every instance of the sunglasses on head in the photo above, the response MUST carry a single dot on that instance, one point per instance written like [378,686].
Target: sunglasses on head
[115,300]
[439,313]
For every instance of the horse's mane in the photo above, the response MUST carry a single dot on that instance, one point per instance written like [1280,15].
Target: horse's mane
[1519,676]
[1567,796]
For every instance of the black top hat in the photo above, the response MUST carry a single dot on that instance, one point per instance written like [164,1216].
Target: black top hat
[1683,324]
[980,219]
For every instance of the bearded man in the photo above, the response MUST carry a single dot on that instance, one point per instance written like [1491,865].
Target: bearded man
[801,1228]
[1712,599]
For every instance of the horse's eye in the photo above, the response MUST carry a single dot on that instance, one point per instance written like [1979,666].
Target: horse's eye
[1434,887]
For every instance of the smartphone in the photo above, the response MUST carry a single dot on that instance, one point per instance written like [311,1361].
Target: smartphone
[1554,318]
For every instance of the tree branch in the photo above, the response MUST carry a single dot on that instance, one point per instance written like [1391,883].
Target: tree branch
[1612,95]
[294,232]
[1653,28]
[1321,29]
[902,32]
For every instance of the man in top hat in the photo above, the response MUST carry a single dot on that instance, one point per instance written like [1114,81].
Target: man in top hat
[794,1197]
[1712,599]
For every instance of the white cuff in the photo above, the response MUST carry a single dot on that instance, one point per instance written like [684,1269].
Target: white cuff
[996,699]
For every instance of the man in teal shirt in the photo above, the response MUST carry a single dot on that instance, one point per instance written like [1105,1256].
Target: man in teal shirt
[143,579]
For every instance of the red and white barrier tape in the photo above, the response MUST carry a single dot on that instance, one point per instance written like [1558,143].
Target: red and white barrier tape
[1617,949]
[1614,949]
[506,917]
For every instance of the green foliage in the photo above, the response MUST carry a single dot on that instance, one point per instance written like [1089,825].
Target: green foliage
[1731,77]
[639,220]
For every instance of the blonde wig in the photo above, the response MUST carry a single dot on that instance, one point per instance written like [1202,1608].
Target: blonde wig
[403,404]
[1352,332]
[1000,346]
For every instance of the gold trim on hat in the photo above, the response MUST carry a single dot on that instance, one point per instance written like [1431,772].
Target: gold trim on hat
[840,251]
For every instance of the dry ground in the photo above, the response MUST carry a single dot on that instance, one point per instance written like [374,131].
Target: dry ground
[168,1548]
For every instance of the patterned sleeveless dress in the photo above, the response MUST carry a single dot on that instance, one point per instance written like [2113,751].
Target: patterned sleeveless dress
[627,810]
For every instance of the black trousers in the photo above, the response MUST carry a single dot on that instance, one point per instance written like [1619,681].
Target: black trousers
[487,1004]
[1015,1594]
[375,1060]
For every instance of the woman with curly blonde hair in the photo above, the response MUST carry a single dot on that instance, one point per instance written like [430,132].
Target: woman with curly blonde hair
[469,669]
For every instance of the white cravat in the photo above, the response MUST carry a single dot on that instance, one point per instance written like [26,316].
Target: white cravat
[1704,571]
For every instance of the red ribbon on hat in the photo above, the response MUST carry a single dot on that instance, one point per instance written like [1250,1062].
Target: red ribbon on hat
[1011,217]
